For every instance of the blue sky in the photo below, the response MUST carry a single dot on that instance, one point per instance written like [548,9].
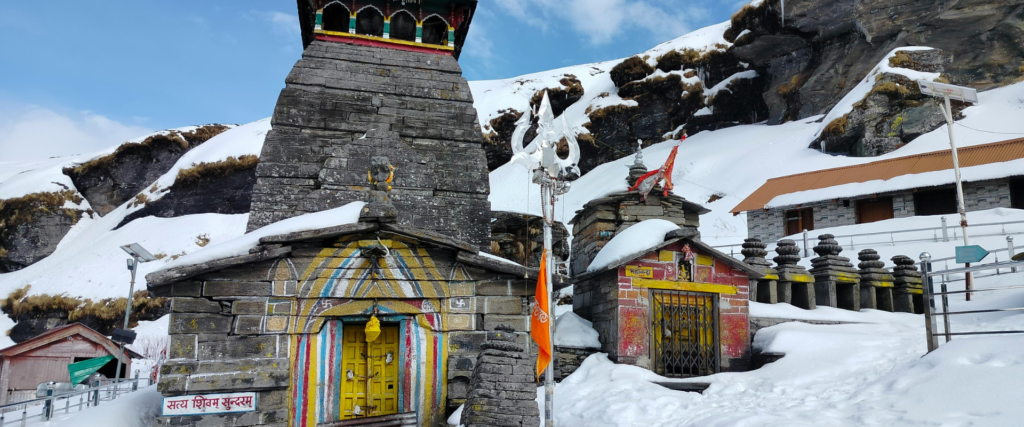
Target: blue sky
[76,76]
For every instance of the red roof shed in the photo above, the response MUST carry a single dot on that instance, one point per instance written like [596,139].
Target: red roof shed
[46,358]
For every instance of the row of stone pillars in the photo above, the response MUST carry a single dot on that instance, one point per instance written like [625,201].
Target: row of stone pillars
[832,280]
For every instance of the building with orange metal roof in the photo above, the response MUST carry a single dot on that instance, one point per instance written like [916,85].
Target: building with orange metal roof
[917,185]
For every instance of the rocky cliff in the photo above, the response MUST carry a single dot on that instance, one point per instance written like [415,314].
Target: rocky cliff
[766,68]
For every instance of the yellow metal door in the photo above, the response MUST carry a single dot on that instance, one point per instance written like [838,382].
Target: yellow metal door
[369,366]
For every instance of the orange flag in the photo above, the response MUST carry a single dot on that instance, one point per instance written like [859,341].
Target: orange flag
[540,321]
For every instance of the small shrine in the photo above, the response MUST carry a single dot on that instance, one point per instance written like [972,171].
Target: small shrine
[679,307]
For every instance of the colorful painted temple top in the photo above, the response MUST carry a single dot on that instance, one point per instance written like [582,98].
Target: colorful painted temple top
[437,26]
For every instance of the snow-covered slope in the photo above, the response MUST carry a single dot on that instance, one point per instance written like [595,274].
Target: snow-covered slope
[734,162]
[88,262]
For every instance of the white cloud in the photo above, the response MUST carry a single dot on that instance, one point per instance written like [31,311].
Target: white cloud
[30,132]
[286,24]
[601,21]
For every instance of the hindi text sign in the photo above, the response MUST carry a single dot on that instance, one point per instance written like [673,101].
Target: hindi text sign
[209,404]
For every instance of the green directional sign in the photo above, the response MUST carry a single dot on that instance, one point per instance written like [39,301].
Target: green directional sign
[81,370]
[969,254]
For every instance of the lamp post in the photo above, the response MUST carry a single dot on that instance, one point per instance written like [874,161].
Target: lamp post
[553,175]
[969,96]
[138,254]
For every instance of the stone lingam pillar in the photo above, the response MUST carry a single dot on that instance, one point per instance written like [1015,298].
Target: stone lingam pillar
[836,282]
[795,285]
[876,282]
[907,292]
[766,286]
[503,390]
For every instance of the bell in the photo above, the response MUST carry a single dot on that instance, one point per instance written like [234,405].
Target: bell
[372,329]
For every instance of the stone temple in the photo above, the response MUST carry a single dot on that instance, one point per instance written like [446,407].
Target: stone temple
[378,322]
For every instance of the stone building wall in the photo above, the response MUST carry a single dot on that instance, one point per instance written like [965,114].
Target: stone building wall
[249,327]
[604,218]
[344,104]
[769,225]
[596,299]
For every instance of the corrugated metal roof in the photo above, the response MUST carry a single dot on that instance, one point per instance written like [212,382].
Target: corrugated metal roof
[882,170]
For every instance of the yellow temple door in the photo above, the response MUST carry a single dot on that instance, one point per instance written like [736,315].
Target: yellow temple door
[369,373]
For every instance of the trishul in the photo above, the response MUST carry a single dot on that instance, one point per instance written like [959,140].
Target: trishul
[539,155]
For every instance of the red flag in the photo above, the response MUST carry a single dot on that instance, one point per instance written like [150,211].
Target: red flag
[647,182]
[540,320]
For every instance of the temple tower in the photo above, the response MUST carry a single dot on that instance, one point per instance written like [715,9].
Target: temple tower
[378,78]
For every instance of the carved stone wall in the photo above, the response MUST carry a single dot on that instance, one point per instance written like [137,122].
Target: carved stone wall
[344,104]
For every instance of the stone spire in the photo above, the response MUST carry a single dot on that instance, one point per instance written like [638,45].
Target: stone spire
[876,282]
[637,169]
[754,253]
[836,282]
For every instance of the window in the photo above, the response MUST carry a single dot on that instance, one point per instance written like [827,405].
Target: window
[335,18]
[403,26]
[435,31]
[798,220]
[370,22]
[935,202]
[1017,193]
[874,210]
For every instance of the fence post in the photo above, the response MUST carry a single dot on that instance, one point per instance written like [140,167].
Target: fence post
[945,232]
[135,385]
[945,309]
[48,404]
[807,249]
[96,393]
[1009,247]
[929,327]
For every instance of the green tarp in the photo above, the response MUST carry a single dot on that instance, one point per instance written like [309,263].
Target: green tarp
[81,370]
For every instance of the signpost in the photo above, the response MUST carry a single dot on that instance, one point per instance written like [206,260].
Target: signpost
[969,254]
[968,96]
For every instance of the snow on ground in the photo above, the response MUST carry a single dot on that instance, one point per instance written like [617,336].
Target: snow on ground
[638,238]
[574,331]
[348,214]
[867,374]
[138,409]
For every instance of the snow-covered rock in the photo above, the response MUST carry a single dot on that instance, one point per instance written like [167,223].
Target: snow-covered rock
[574,331]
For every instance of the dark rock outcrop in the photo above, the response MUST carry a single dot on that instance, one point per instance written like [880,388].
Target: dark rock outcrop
[498,142]
[31,226]
[827,47]
[36,314]
[109,181]
[222,187]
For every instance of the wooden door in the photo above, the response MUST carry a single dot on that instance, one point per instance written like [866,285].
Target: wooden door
[874,210]
[369,373]
[798,220]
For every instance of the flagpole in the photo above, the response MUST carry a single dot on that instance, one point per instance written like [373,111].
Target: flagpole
[547,193]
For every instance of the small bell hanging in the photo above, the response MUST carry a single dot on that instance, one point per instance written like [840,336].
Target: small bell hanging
[372,329]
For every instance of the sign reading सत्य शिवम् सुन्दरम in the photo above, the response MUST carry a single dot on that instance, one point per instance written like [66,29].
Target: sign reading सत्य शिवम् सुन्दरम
[209,404]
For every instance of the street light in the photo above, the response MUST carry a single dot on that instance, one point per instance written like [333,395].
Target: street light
[965,95]
[138,254]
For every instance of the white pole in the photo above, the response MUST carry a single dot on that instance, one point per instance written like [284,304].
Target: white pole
[127,315]
[783,13]
[547,191]
[961,204]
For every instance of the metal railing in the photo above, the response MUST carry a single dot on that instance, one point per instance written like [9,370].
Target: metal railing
[932,314]
[45,408]
[943,233]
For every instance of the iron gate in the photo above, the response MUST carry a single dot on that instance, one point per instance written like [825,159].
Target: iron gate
[685,333]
